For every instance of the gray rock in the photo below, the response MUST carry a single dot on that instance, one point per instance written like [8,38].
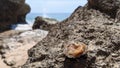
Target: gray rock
[92,27]
[44,23]
[12,12]
[108,6]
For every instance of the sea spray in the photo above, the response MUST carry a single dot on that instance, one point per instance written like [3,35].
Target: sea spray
[21,27]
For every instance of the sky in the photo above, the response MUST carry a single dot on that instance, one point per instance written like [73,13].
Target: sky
[54,6]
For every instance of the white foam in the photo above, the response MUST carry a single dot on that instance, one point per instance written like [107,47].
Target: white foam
[30,22]
[37,32]
[22,27]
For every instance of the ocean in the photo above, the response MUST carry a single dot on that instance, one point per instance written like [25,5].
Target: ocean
[59,16]
[31,18]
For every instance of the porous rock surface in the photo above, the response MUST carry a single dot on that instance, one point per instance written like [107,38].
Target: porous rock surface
[12,12]
[91,26]
[107,6]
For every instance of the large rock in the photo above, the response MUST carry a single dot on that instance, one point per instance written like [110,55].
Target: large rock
[21,18]
[12,12]
[96,29]
[108,6]
[15,44]
[44,23]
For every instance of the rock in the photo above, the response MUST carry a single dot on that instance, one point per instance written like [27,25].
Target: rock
[44,23]
[108,6]
[22,12]
[12,12]
[10,61]
[74,49]
[14,48]
[92,27]
[9,33]
[2,64]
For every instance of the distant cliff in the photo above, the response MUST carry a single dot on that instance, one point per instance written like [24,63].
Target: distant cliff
[12,12]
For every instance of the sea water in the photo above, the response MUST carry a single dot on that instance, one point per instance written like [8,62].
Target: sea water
[58,16]
[30,18]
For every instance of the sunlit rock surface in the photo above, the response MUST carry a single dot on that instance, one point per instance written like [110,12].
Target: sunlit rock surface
[97,29]
[14,45]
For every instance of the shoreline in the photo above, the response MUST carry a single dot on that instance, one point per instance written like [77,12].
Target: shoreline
[22,27]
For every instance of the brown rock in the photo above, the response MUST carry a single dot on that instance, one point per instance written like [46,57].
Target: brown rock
[9,13]
[22,12]
[44,23]
[95,28]
[109,7]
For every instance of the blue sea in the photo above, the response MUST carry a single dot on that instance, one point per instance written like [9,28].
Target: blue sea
[59,16]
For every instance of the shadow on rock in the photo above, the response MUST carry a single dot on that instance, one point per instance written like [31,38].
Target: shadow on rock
[81,62]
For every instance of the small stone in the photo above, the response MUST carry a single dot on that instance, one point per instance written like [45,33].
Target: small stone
[74,50]
[114,55]
[10,62]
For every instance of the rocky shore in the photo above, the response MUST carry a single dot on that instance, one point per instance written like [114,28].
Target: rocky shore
[14,44]
[89,38]
[12,12]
